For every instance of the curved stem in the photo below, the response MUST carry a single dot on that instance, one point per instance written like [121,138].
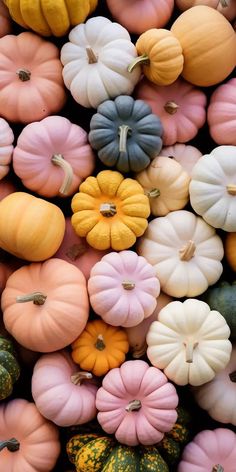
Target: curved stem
[59,160]
[187,252]
[232,376]
[38,298]
[171,107]
[108,209]
[23,74]
[231,189]
[76,250]
[12,445]
[78,378]
[124,130]
[139,351]
[139,61]
[190,346]
[217,468]
[153,193]
[134,405]
[92,58]
[100,345]
[128,284]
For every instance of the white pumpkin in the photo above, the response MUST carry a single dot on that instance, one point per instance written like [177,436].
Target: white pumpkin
[213,188]
[6,147]
[218,397]
[185,251]
[185,154]
[189,342]
[96,60]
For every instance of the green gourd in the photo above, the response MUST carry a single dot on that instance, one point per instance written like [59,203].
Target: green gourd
[126,134]
[9,368]
[222,297]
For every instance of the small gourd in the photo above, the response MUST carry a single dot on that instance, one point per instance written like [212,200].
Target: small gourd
[9,367]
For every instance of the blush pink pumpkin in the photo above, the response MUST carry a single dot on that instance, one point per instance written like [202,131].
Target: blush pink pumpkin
[136,403]
[53,156]
[221,113]
[185,154]
[180,106]
[6,147]
[123,288]
[61,393]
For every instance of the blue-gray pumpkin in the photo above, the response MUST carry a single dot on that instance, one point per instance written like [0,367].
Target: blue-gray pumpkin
[126,134]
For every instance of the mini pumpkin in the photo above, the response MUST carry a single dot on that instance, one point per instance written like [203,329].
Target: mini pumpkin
[222,297]
[226,7]
[5,20]
[221,113]
[110,211]
[6,147]
[185,154]
[230,250]
[9,367]
[125,133]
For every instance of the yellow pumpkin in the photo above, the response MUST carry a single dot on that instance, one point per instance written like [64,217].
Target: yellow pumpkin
[110,211]
[100,347]
[50,17]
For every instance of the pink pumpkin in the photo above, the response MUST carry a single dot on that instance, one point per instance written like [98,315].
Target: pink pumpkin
[185,154]
[61,393]
[5,20]
[136,403]
[77,251]
[210,451]
[6,147]
[180,106]
[140,15]
[221,113]
[6,187]
[53,156]
[123,288]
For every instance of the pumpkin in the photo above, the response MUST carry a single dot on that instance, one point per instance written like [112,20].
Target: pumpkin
[53,315]
[96,60]
[213,451]
[166,184]
[185,251]
[30,228]
[28,442]
[50,17]
[110,211]
[230,252]
[31,85]
[180,106]
[9,368]
[6,147]
[7,186]
[125,133]
[226,7]
[123,288]
[160,55]
[138,17]
[189,342]
[61,392]
[100,347]
[185,154]
[209,57]
[5,20]
[222,297]
[135,395]
[53,156]
[221,113]
[213,188]
[218,396]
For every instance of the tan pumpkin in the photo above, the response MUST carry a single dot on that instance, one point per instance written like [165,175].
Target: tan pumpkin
[230,250]
[185,154]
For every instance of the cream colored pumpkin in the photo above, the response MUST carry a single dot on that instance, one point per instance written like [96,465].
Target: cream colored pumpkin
[166,184]
[185,154]
[185,251]
[213,188]
[189,342]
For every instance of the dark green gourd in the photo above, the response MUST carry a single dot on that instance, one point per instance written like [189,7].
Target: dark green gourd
[222,297]
[9,368]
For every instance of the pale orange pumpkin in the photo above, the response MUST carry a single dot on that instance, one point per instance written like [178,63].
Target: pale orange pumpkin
[226,7]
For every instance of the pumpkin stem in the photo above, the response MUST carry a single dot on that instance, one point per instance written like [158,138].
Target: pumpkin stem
[187,252]
[100,345]
[23,74]
[232,376]
[139,351]
[153,193]
[59,160]
[12,445]
[231,189]
[38,298]
[133,405]
[171,107]
[92,57]
[140,60]
[76,250]
[224,3]
[78,378]
[128,284]
[108,209]
[190,346]
[218,468]
[124,130]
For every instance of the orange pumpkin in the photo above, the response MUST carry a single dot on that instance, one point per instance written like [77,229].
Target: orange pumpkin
[230,250]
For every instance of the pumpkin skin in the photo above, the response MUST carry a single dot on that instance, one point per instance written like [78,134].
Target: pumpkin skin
[19,237]
[53,315]
[5,20]
[110,211]
[226,7]
[180,106]
[213,188]
[74,400]
[95,65]
[53,156]
[9,368]
[50,18]
[185,154]
[189,342]
[31,73]
[221,113]
[230,253]
[123,288]
[210,450]
[222,297]
[209,58]
[138,17]
[185,251]
[125,133]
[38,439]
[6,147]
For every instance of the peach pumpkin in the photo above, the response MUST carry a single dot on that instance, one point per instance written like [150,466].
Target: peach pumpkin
[185,154]
[5,20]
[221,113]
[226,7]
[6,147]
[230,249]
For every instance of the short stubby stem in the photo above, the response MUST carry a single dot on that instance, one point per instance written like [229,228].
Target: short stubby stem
[38,298]
[153,193]
[100,345]
[187,252]
[108,209]
[134,405]
[217,468]
[224,3]
[124,131]
[58,160]
[92,57]
[23,74]
[128,284]
[11,445]
[190,345]
[139,61]
[171,107]
[232,376]
[76,250]
[231,189]
[138,352]
[79,377]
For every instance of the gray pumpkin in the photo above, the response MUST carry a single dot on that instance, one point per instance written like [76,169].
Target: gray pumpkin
[126,134]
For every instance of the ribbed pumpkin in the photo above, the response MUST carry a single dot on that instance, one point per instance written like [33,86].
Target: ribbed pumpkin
[226,7]
[6,147]
[230,252]
[185,154]
[9,368]
[222,297]
[221,113]
[110,211]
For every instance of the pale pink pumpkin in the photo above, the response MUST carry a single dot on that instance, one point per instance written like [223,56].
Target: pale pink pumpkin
[7,186]
[61,392]
[6,147]
[140,15]
[185,154]
[210,451]
[53,156]
[180,106]
[5,20]
[136,403]
[123,288]
[221,113]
